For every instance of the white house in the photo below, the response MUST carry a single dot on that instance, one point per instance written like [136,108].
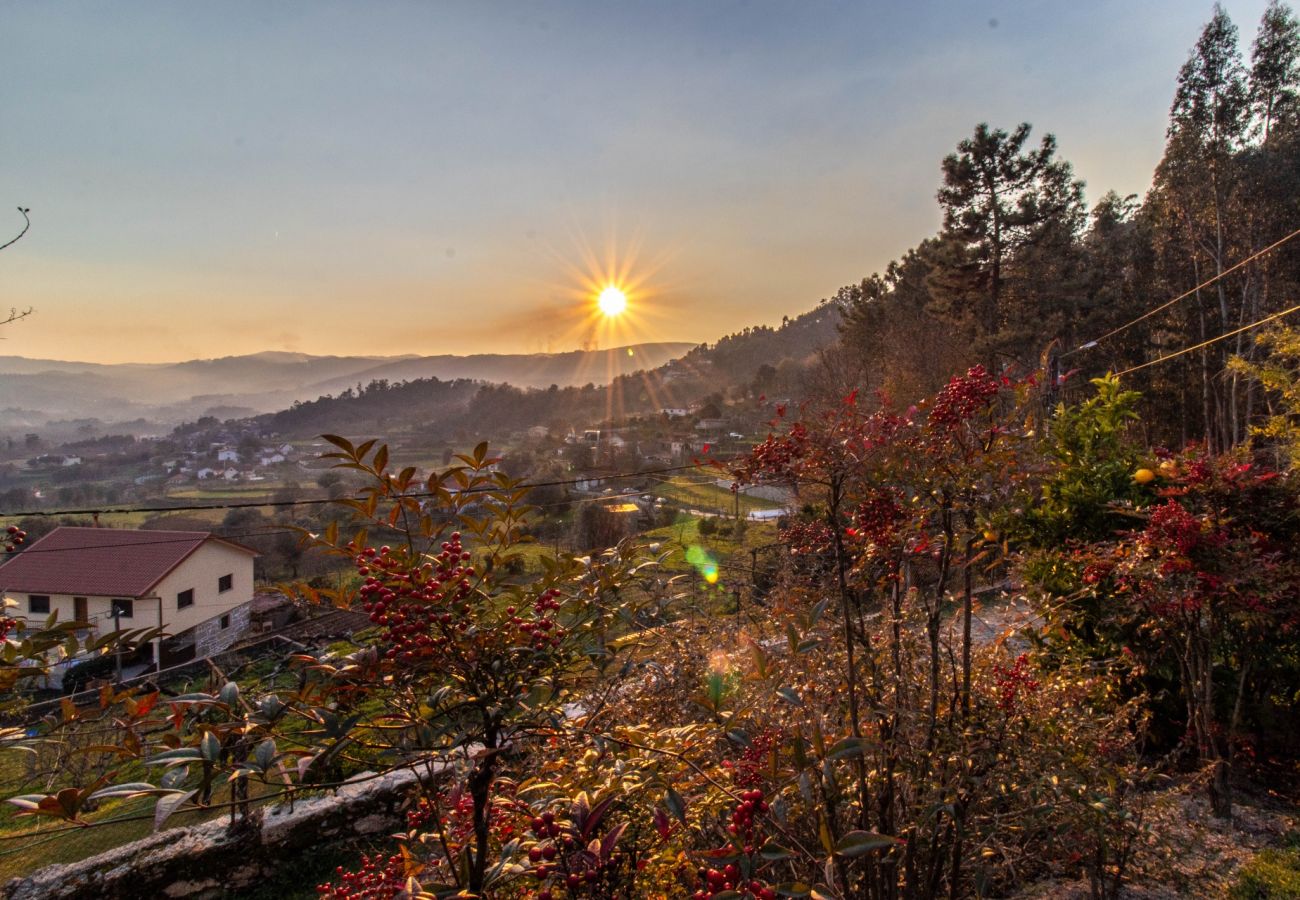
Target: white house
[227,456]
[194,585]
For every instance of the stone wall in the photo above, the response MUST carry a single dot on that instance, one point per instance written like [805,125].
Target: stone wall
[210,638]
[204,861]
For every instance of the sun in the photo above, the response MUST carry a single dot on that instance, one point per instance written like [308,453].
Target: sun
[612,301]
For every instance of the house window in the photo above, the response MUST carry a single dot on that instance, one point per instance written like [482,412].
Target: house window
[122,608]
[225,621]
[225,583]
[38,603]
[185,598]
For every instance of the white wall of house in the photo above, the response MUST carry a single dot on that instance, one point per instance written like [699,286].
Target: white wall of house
[201,571]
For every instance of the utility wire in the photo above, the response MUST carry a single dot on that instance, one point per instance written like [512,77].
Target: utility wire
[271,532]
[1204,284]
[320,501]
[1152,362]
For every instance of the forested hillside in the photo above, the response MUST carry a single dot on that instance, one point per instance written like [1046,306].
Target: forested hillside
[1022,268]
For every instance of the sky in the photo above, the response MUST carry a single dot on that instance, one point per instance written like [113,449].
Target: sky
[382,178]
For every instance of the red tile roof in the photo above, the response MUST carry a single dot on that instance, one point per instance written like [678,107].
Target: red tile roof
[102,562]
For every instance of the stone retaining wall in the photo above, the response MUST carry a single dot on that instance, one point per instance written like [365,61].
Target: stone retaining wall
[204,861]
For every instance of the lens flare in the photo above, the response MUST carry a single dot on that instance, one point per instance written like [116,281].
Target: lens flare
[704,563]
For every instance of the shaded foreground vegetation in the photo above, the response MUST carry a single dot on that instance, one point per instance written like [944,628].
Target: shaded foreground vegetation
[847,736]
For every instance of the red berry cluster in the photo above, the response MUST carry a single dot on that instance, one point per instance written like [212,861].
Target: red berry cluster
[545,828]
[1172,527]
[542,630]
[963,396]
[750,768]
[750,807]
[1014,682]
[378,878]
[777,455]
[560,860]
[1097,571]
[728,878]
[876,518]
[422,607]
[713,881]
[16,538]
[807,538]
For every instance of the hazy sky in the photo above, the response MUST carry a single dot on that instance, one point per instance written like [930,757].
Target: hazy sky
[381,177]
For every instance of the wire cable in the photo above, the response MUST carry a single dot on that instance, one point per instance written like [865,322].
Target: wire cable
[1152,362]
[1204,284]
[320,501]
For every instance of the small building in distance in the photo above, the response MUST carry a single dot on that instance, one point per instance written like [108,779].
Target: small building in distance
[194,585]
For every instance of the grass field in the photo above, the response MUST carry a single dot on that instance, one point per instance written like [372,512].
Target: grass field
[694,491]
[28,843]
[226,492]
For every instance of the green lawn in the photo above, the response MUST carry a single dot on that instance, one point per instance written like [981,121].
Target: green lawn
[694,491]
[233,491]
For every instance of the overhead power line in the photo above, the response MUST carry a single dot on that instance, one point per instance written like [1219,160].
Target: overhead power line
[319,501]
[1264,321]
[1183,296]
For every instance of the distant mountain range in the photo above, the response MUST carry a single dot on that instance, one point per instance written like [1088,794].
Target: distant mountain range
[34,393]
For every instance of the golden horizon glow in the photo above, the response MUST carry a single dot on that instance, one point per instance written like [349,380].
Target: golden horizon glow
[612,301]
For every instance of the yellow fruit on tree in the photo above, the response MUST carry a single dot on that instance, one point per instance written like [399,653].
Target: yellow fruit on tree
[1144,476]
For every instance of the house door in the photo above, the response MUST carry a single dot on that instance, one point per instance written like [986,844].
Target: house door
[80,613]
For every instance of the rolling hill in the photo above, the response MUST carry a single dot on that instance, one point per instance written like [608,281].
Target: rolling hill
[37,392]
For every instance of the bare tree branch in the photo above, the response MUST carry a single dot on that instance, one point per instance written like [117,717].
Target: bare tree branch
[14,240]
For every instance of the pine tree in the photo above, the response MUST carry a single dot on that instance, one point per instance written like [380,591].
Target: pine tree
[1000,199]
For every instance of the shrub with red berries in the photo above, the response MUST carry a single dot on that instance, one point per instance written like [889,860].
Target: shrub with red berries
[964,396]
[469,656]
[739,873]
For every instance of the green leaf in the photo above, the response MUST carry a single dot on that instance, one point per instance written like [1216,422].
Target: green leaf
[229,693]
[857,843]
[775,852]
[845,748]
[789,695]
[264,755]
[676,805]
[168,805]
[210,747]
[180,754]
[174,778]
